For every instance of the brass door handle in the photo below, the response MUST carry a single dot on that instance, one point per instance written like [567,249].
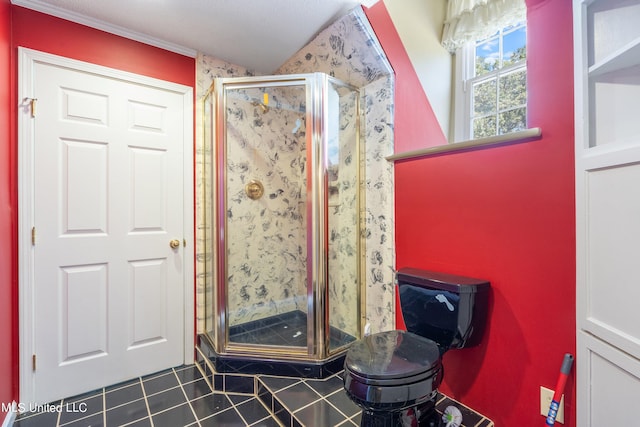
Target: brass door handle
[174,243]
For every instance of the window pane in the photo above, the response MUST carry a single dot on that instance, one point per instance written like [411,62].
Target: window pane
[514,46]
[496,94]
[484,98]
[513,90]
[487,56]
[484,126]
[512,120]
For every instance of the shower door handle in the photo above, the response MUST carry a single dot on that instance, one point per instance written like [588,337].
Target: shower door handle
[174,243]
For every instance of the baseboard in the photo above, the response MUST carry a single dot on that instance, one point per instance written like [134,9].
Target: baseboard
[11,415]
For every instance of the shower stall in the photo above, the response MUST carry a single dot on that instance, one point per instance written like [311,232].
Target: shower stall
[283,201]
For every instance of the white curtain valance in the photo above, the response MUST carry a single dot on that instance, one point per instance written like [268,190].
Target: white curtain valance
[470,20]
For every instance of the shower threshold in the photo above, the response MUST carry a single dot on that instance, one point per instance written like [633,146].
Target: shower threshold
[287,329]
[253,365]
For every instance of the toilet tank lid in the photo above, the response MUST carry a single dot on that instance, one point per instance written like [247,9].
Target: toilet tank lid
[450,282]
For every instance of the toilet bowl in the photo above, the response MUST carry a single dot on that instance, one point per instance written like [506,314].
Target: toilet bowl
[394,375]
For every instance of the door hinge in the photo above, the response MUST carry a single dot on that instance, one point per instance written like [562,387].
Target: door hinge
[33,236]
[33,362]
[32,106]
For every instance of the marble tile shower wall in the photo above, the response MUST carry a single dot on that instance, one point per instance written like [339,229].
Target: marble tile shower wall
[349,51]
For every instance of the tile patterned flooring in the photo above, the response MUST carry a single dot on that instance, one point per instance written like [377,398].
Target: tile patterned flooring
[172,398]
[183,396]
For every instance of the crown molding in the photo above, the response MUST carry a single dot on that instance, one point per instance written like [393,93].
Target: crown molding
[78,18]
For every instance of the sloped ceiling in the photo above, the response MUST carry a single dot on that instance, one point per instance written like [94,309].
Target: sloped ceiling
[257,34]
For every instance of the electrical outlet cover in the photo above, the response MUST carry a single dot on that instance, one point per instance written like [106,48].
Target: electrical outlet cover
[546,396]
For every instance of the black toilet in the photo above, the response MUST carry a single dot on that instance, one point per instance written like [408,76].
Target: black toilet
[394,376]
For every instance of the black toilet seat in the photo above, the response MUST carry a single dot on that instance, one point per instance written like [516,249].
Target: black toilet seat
[392,356]
[392,370]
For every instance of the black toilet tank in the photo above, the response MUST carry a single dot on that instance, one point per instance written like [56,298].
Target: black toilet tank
[448,309]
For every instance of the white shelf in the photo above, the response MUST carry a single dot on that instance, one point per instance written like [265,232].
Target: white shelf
[613,44]
[626,56]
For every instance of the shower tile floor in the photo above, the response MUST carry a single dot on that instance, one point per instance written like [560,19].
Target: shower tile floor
[182,396]
[286,329]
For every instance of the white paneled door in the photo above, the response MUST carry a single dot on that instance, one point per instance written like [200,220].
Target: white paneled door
[106,250]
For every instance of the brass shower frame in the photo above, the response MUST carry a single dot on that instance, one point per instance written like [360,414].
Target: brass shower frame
[316,85]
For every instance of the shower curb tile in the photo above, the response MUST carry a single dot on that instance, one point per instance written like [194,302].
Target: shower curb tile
[266,396]
[218,382]
[239,399]
[297,397]
[243,384]
[276,384]
[217,379]
[202,367]
[281,413]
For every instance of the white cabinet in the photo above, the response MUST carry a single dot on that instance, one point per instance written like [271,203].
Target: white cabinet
[607,104]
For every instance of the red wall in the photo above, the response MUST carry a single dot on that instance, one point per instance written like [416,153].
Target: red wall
[26,28]
[505,214]
[415,125]
[46,33]
[7,225]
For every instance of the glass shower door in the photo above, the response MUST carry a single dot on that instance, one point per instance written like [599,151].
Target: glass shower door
[264,216]
[344,200]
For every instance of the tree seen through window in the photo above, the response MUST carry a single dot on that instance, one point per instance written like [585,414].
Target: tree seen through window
[499,86]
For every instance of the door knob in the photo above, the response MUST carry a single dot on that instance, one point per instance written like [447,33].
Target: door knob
[174,243]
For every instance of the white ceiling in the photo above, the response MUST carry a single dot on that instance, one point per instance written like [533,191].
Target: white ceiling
[257,34]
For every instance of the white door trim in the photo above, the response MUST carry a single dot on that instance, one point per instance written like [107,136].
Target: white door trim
[26,60]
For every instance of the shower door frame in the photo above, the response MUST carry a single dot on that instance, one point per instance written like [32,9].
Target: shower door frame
[318,327]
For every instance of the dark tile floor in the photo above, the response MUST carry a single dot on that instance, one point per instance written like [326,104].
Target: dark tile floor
[184,397]
[173,398]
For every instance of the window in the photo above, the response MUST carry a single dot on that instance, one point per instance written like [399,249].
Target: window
[491,85]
